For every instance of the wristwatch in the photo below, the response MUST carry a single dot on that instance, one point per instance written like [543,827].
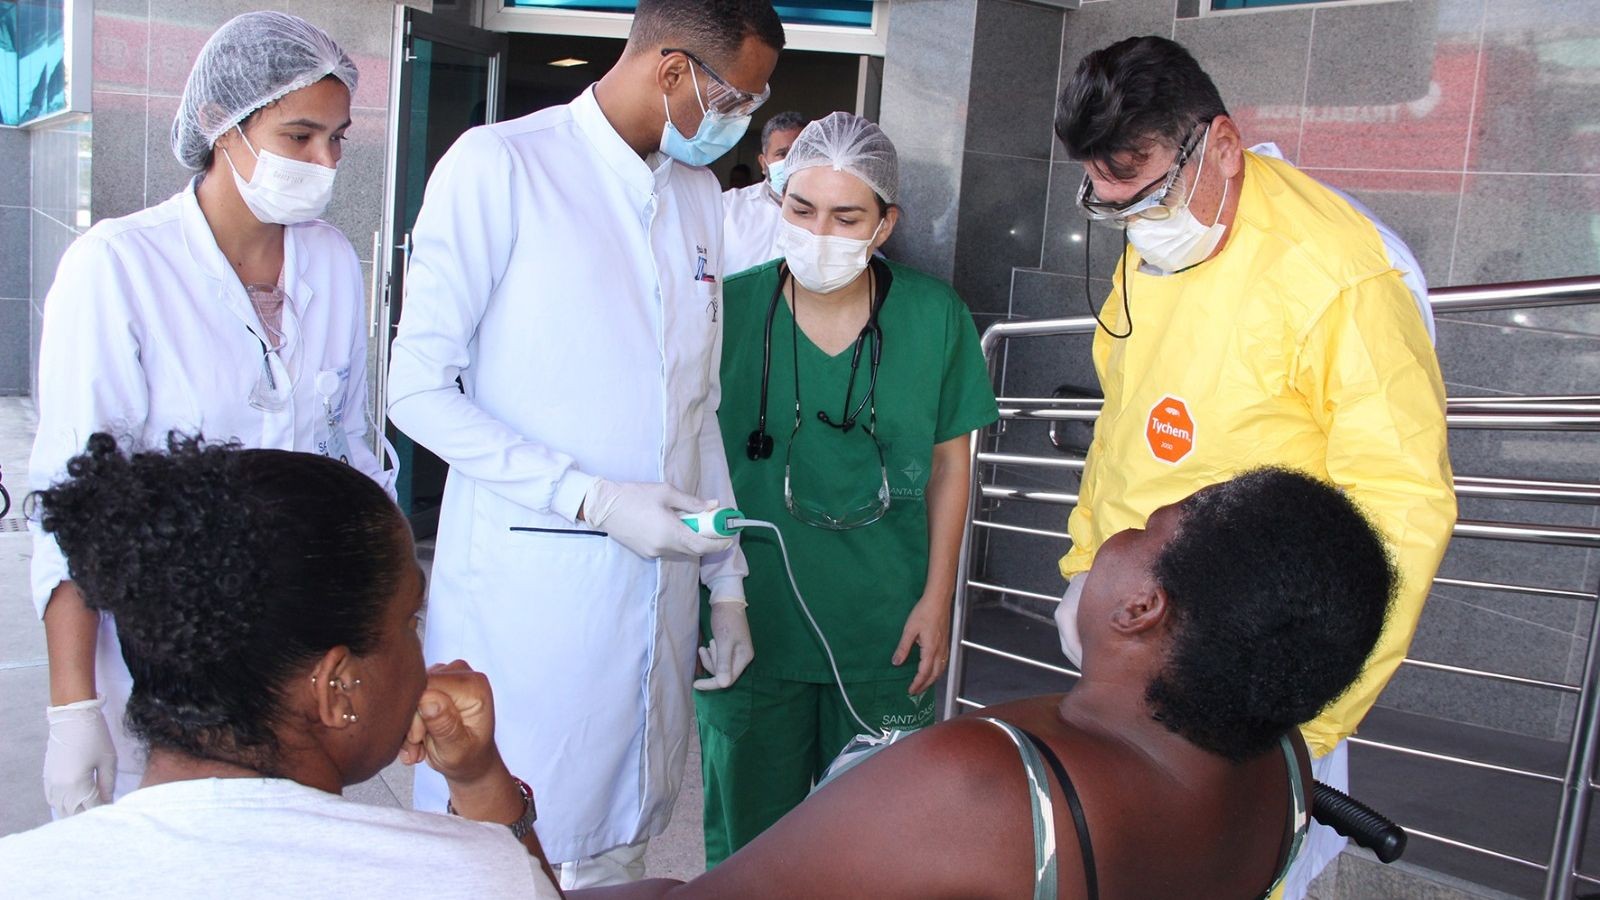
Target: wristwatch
[530,814]
[524,823]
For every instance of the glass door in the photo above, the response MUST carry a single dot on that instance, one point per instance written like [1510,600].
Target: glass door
[451,79]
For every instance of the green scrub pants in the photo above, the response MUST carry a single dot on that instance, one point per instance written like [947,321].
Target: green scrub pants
[764,742]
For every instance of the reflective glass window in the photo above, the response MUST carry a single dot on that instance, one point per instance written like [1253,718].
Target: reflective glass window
[846,13]
[33,71]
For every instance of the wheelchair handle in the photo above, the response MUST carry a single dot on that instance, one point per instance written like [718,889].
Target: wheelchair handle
[1357,821]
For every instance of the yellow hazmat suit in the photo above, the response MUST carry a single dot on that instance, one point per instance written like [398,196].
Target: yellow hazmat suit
[1297,345]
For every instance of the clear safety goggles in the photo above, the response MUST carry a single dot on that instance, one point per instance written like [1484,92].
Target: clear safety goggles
[1150,202]
[718,96]
[803,490]
[273,388]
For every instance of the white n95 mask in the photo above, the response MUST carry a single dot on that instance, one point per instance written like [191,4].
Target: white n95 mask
[1067,620]
[823,265]
[1179,241]
[283,191]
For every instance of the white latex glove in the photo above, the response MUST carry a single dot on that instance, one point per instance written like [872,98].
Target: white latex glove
[647,518]
[80,763]
[1067,620]
[729,649]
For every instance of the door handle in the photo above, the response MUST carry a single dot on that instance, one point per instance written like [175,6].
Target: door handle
[373,300]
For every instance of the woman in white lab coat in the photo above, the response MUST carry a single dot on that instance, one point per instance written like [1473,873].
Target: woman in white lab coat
[228,309]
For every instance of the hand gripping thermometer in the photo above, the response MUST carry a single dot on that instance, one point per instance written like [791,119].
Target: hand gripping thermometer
[728,522]
[724,522]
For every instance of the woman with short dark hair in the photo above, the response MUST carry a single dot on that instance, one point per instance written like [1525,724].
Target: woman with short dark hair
[267,606]
[1208,636]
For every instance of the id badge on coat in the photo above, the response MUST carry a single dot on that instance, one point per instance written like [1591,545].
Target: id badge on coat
[330,437]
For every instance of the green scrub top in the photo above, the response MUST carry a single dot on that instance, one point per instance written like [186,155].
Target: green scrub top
[861,583]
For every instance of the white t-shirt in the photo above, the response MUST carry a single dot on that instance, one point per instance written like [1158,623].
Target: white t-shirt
[1400,255]
[749,227]
[249,837]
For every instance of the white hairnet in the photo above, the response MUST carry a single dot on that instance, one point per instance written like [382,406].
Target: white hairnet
[251,61]
[851,144]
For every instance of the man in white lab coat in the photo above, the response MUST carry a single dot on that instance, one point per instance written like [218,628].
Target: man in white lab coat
[751,214]
[567,268]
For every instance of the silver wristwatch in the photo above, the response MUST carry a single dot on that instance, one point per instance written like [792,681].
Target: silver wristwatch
[524,823]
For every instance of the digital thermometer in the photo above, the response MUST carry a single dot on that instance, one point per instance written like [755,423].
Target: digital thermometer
[723,522]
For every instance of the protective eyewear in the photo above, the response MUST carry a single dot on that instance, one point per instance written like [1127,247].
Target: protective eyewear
[806,484]
[802,499]
[273,389]
[718,95]
[273,386]
[1150,202]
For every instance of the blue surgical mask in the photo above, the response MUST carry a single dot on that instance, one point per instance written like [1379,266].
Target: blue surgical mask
[777,176]
[716,135]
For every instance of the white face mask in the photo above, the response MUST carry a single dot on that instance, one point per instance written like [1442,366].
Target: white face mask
[283,191]
[776,176]
[1178,241]
[1067,620]
[823,265]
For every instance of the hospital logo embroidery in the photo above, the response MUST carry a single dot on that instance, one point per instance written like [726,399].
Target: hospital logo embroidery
[700,273]
[1170,430]
[913,472]
[702,276]
[916,478]
[921,715]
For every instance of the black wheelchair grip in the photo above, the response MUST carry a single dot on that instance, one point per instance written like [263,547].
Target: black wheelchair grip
[1355,820]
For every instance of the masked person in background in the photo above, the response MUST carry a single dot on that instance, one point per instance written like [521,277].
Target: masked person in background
[229,306]
[566,268]
[1255,318]
[751,214]
[863,382]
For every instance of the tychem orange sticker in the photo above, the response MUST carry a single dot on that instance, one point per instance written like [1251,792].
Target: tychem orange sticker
[1170,430]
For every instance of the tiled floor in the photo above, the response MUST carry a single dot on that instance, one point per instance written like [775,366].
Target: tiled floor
[24,690]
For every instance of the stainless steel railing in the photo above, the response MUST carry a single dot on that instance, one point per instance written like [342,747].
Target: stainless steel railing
[1544,413]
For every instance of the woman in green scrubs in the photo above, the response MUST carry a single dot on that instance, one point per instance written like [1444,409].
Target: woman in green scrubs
[850,386]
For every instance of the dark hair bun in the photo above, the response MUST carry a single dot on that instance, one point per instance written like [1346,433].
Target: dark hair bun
[227,571]
[143,531]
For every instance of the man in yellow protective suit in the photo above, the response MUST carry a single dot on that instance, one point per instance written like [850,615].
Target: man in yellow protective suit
[1255,318]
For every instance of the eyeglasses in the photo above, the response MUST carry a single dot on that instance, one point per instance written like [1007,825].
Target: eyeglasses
[273,387]
[812,491]
[719,96]
[1150,202]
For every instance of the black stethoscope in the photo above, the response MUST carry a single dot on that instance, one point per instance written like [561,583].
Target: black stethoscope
[759,445]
